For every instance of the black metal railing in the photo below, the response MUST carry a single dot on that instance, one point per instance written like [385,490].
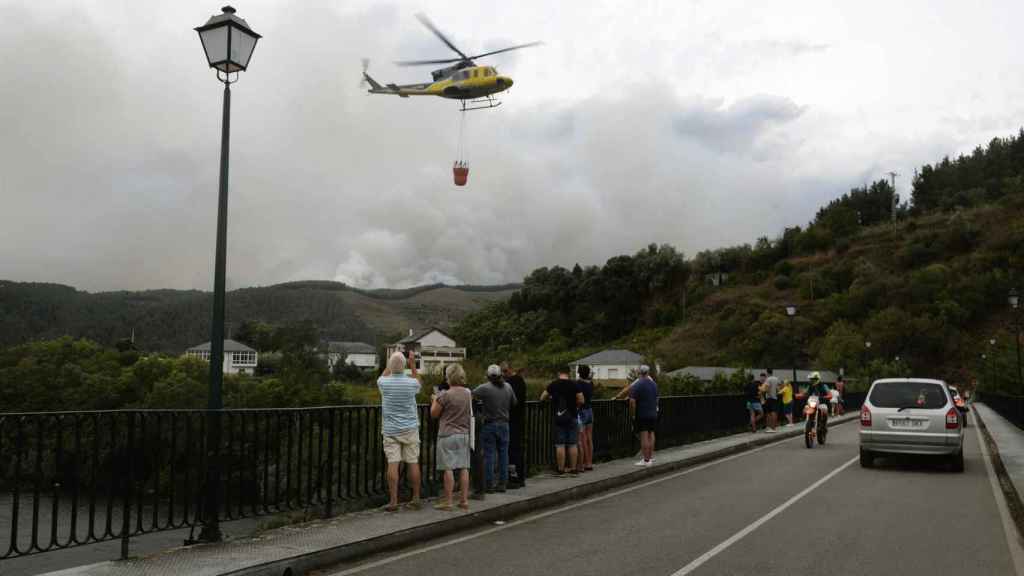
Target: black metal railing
[1007,406]
[76,478]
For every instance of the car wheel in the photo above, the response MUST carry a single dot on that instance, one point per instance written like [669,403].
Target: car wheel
[867,459]
[956,462]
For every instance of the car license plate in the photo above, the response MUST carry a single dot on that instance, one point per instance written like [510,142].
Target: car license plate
[906,423]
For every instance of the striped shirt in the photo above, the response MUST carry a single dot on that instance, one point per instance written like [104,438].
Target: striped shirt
[398,404]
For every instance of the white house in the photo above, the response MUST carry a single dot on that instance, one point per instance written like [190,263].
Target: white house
[434,349]
[238,358]
[359,354]
[612,364]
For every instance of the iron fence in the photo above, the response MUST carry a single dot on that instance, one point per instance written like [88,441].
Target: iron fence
[1010,407]
[76,478]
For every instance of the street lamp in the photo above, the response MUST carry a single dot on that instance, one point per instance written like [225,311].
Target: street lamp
[867,352]
[1014,300]
[228,43]
[791,312]
[991,359]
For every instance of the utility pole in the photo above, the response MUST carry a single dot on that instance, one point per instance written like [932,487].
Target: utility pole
[895,197]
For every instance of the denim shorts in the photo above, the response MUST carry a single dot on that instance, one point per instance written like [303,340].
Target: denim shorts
[566,435]
[586,416]
[754,407]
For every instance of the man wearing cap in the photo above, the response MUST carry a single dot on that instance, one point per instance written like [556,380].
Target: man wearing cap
[498,400]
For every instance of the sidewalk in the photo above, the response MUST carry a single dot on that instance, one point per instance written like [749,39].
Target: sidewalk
[1008,439]
[297,549]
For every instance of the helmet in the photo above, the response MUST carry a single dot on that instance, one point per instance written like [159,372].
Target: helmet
[814,377]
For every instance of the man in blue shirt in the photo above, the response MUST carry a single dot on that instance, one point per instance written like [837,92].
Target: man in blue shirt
[643,403]
[400,425]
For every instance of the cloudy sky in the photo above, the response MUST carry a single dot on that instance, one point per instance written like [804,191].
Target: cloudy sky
[696,123]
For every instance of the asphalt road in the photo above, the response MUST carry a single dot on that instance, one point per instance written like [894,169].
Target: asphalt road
[781,509]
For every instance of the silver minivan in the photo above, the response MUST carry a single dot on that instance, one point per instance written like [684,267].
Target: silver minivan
[911,416]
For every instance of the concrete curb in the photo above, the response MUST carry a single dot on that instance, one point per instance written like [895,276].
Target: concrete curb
[347,553]
[1010,491]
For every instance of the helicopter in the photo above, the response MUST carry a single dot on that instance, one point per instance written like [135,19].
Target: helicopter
[474,86]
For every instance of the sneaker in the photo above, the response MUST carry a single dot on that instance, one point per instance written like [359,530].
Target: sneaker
[649,463]
[464,506]
[443,506]
[574,473]
[390,508]
[414,505]
[641,463]
[770,430]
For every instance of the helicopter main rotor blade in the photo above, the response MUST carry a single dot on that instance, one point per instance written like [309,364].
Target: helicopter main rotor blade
[430,25]
[424,62]
[509,49]
[469,59]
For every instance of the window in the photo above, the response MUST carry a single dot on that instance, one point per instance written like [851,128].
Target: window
[908,395]
[243,358]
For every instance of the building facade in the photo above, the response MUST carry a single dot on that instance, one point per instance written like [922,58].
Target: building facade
[238,358]
[434,349]
[359,354]
[615,364]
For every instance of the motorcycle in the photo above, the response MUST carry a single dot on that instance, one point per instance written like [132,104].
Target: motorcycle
[816,425]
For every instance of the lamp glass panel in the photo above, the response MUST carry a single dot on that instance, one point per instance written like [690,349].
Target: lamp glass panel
[242,46]
[215,42]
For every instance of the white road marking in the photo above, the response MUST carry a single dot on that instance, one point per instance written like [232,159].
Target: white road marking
[404,555]
[703,558]
[1009,528]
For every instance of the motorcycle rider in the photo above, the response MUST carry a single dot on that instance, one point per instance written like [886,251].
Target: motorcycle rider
[819,389]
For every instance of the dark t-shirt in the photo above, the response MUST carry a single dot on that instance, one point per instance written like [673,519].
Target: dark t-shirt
[587,387]
[752,392]
[519,387]
[563,398]
[645,392]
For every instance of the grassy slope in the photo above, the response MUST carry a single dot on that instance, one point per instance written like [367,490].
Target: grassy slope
[692,342]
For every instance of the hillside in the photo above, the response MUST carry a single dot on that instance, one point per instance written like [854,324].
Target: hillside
[172,320]
[928,291]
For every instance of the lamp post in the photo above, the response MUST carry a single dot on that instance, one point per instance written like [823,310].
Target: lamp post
[867,353]
[791,312]
[228,43]
[1014,300]
[991,358]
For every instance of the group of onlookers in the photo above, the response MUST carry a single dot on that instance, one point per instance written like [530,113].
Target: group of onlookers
[770,400]
[501,413]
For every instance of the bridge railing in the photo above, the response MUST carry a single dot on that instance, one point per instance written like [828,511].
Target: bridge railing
[1008,406]
[77,478]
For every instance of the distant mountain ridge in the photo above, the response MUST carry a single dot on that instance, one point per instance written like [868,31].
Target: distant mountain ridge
[170,321]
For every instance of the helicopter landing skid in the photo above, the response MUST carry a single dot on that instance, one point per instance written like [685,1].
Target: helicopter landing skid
[480,104]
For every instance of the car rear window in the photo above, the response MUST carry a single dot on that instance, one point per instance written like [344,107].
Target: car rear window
[907,395]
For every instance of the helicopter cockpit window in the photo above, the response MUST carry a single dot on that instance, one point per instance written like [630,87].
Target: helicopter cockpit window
[462,75]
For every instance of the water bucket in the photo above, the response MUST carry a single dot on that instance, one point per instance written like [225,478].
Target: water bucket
[461,174]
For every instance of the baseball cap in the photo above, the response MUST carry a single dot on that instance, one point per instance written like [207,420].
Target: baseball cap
[494,370]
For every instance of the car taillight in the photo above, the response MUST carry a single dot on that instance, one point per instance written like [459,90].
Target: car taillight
[865,416]
[952,419]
